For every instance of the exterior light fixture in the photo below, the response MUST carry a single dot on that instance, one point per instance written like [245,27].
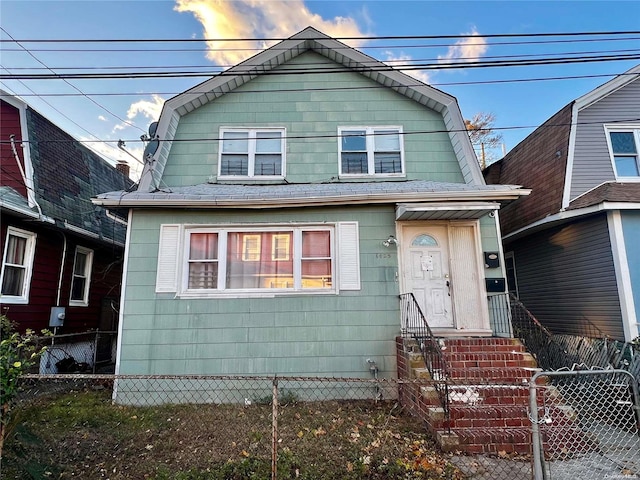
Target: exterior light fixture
[389,241]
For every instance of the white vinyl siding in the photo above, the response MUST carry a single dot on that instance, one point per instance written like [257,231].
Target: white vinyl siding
[81,278]
[371,151]
[287,259]
[17,266]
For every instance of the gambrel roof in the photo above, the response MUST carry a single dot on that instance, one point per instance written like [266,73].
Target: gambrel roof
[311,39]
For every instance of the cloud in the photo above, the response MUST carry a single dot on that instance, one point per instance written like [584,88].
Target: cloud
[150,109]
[468,49]
[102,118]
[113,154]
[398,61]
[258,18]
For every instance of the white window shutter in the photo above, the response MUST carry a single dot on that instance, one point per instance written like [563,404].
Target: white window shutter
[168,251]
[348,256]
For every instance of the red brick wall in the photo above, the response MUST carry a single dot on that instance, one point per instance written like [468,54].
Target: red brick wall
[539,163]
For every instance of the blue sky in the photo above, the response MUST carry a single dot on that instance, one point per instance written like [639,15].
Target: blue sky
[513,104]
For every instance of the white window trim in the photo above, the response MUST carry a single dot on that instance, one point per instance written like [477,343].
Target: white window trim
[633,127]
[252,152]
[370,135]
[274,251]
[88,268]
[29,256]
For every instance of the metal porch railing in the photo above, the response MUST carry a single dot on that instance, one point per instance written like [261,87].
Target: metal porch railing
[414,325]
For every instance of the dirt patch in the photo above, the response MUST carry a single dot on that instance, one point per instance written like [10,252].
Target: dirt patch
[82,435]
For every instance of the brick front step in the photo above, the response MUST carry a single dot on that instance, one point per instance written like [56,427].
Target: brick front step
[502,375]
[479,417]
[486,440]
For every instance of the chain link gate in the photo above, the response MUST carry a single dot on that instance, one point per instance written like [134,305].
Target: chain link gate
[585,425]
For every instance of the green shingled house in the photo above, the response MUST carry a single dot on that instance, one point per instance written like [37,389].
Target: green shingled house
[292,200]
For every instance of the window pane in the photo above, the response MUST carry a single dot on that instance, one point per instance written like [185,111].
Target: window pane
[16,249]
[268,165]
[251,248]
[77,288]
[281,246]
[235,165]
[203,246]
[387,141]
[424,241]
[264,272]
[626,166]
[80,264]
[354,141]
[203,275]
[316,273]
[316,244]
[12,281]
[235,142]
[268,142]
[354,163]
[623,142]
[387,163]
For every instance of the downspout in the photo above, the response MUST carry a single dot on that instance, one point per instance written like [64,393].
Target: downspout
[12,138]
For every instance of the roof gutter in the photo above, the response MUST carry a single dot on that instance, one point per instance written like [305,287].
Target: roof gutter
[192,201]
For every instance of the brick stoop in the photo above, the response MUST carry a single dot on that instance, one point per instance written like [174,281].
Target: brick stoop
[488,391]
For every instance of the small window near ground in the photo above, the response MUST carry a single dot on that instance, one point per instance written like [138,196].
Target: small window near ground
[17,265]
[371,151]
[81,277]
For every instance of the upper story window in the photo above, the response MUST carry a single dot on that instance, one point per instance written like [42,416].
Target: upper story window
[81,277]
[624,146]
[251,152]
[17,265]
[371,151]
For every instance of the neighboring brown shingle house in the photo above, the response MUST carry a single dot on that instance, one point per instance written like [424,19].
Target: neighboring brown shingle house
[571,246]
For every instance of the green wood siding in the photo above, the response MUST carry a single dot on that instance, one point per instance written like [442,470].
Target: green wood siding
[294,335]
[309,106]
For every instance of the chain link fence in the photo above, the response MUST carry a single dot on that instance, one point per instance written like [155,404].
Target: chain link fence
[585,425]
[203,427]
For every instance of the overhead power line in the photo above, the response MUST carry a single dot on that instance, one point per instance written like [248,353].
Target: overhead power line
[72,85]
[373,37]
[373,67]
[330,89]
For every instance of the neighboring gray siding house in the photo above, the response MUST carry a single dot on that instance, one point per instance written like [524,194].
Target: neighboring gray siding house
[571,246]
[291,200]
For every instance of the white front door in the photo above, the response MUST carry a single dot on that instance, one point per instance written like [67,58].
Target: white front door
[425,269]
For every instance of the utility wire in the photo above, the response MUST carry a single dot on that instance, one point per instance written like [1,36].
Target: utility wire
[373,37]
[252,70]
[72,85]
[329,89]
[392,63]
[68,118]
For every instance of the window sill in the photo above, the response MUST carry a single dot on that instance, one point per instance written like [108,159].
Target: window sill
[14,300]
[244,294]
[371,176]
[76,303]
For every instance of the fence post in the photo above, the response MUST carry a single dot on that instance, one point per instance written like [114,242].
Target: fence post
[538,470]
[274,433]
[95,351]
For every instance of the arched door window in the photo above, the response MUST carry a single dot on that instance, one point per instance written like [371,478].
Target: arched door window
[424,241]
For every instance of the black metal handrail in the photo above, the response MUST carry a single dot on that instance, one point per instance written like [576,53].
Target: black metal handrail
[414,325]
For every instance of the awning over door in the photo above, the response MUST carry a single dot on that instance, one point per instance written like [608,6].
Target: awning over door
[444,211]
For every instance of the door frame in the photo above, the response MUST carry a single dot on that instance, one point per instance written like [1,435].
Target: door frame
[482,324]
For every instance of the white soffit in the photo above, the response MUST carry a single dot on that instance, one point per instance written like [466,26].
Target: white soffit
[444,211]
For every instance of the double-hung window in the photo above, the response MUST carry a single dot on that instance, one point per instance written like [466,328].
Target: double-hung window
[290,259]
[624,147]
[252,152]
[81,278]
[17,265]
[371,151]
